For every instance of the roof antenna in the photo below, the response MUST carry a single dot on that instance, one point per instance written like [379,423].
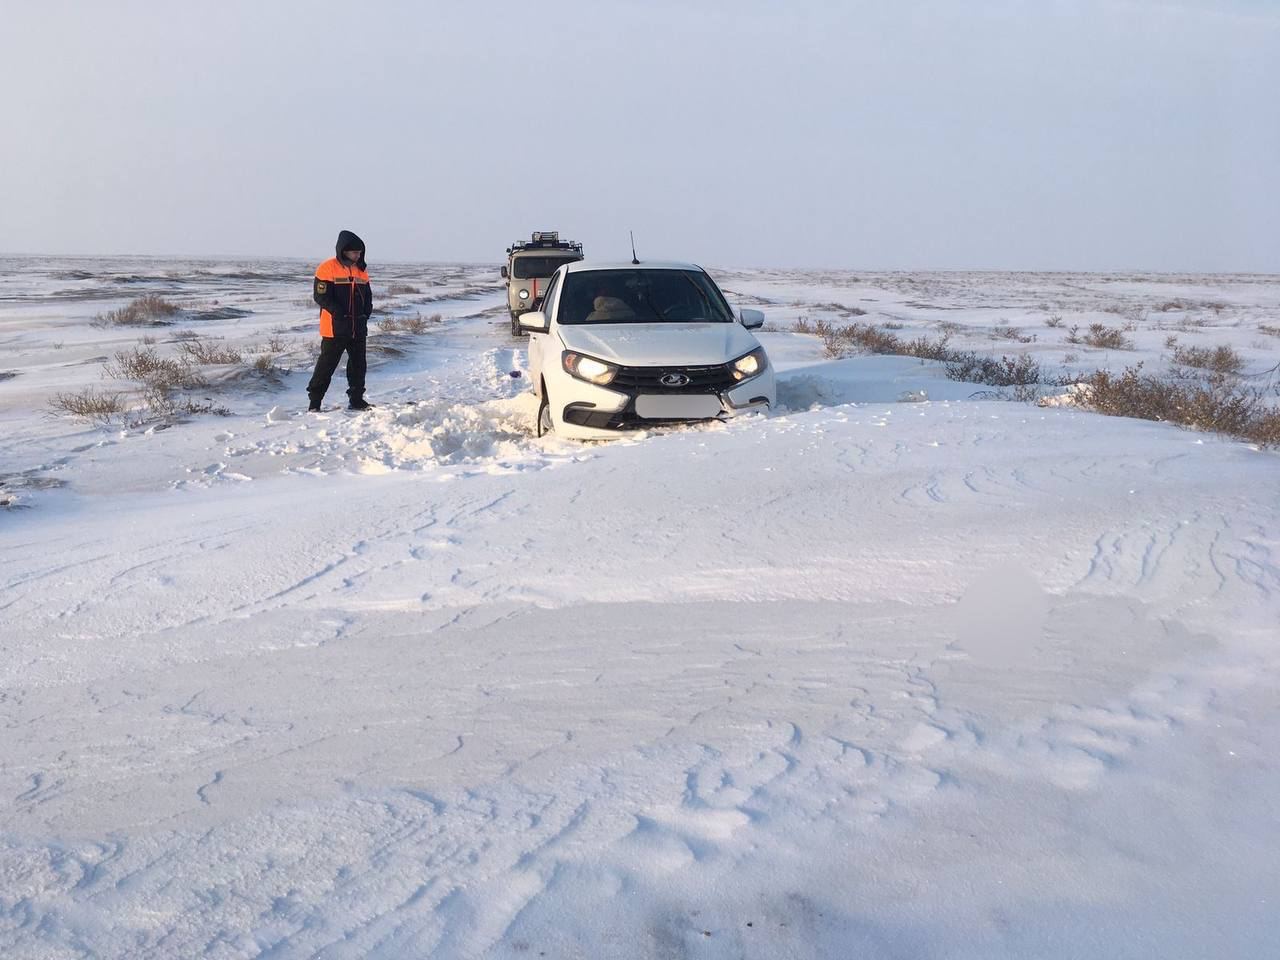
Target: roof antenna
[634,260]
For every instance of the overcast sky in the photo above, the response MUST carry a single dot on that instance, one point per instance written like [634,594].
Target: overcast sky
[1098,135]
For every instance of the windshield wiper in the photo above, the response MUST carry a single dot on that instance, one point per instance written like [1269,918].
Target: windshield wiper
[711,310]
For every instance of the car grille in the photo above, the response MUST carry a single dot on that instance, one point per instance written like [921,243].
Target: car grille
[701,379]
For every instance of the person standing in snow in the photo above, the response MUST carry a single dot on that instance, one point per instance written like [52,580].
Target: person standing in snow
[341,288]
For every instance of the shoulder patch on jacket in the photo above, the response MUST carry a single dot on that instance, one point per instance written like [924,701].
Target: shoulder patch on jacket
[320,286]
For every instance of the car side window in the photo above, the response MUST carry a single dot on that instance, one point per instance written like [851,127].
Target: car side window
[548,297]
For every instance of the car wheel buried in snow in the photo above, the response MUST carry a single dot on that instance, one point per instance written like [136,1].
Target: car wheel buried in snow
[624,347]
[542,421]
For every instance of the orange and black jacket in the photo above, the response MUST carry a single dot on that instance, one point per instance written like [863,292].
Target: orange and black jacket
[342,290]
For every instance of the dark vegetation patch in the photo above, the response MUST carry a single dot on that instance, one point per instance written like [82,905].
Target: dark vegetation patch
[1019,372]
[416,324]
[221,313]
[92,404]
[1101,336]
[146,311]
[1222,359]
[1220,404]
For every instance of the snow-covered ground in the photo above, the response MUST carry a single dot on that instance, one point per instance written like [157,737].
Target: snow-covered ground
[866,678]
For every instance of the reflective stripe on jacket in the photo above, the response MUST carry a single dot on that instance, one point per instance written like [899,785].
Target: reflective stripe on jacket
[342,291]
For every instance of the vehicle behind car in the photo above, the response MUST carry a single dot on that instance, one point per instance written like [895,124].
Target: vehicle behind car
[620,347]
[530,264]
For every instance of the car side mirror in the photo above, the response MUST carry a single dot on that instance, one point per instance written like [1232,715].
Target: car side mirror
[504,272]
[752,319]
[534,322]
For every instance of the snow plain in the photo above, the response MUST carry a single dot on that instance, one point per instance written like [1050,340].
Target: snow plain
[866,678]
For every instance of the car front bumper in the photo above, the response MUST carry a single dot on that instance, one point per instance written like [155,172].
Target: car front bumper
[600,413]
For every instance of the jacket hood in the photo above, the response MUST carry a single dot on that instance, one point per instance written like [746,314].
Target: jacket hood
[349,241]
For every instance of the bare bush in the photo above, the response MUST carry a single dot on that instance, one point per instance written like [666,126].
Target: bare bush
[277,344]
[1222,359]
[818,328]
[842,309]
[1218,405]
[89,404]
[209,352]
[1106,338]
[1217,306]
[162,402]
[1130,311]
[147,366]
[416,324]
[1003,331]
[1055,320]
[264,365]
[1269,330]
[1020,371]
[402,289]
[146,311]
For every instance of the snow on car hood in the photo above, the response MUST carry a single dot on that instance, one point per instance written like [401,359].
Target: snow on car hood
[659,344]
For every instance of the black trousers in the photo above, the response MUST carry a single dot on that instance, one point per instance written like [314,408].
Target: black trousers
[331,350]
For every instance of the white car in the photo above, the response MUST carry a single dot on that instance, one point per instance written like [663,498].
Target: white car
[620,347]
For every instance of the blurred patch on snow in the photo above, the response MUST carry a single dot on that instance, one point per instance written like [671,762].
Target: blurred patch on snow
[875,379]
[1075,395]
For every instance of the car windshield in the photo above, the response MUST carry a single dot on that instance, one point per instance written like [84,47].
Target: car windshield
[641,296]
[527,268]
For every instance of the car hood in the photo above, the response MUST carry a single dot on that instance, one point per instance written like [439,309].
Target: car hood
[659,344]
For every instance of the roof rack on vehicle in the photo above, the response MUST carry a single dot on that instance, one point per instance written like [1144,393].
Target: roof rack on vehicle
[545,240]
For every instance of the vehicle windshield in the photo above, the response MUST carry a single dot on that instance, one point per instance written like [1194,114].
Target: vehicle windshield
[527,268]
[641,296]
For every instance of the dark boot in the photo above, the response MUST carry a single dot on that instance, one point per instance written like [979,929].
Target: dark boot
[360,404]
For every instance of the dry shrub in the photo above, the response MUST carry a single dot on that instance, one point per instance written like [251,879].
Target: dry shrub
[264,365]
[1217,306]
[277,344]
[1221,359]
[89,404]
[842,309]
[1105,338]
[1131,311]
[1218,404]
[207,351]
[818,328]
[164,404]
[1002,331]
[1269,330]
[147,311]
[147,366]
[417,324]
[1054,321]
[402,289]
[866,337]
[969,367]
[1021,373]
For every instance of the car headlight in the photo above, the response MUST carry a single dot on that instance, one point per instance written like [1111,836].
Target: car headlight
[524,294]
[751,365]
[588,368]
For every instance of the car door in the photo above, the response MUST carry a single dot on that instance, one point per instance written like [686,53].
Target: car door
[540,342]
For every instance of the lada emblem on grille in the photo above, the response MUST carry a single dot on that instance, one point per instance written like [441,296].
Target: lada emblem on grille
[674,380]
